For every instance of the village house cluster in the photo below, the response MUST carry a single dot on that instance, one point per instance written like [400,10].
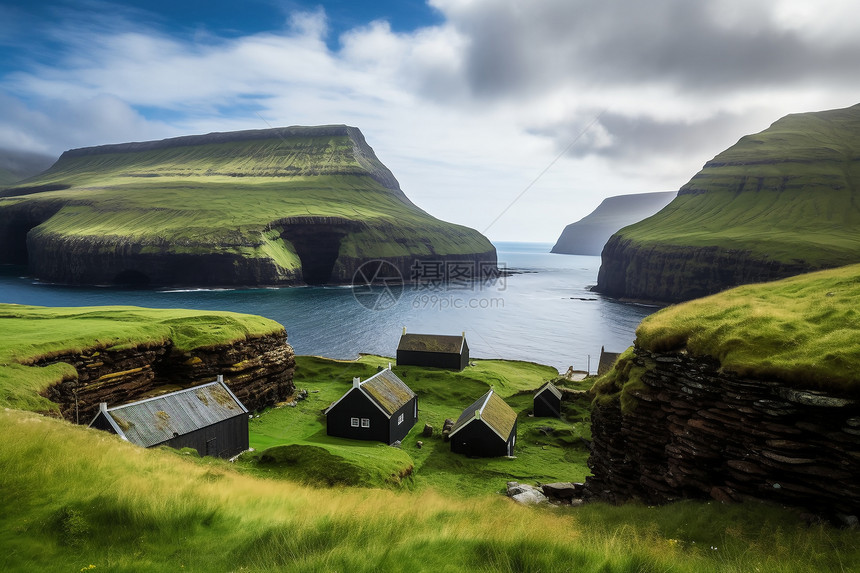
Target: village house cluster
[210,419]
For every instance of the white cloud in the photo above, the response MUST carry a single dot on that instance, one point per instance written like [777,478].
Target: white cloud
[465,113]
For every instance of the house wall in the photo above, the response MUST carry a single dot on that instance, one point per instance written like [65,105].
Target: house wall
[410,416]
[450,361]
[477,439]
[546,405]
[356,405]
[225,439]
[101,423]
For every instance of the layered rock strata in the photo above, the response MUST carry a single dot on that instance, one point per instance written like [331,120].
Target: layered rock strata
[259,371]
[691,430]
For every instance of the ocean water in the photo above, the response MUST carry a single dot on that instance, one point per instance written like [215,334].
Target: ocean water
[541,312]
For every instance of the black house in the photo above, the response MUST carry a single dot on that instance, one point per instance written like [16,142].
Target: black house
[607,361]
[487,428]
[436,350]
[208,418]
[382,408]
[547,401]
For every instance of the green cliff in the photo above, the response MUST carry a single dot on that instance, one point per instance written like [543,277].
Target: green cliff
[778,203]
[298,205]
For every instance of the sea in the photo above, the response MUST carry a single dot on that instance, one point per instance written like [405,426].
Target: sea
[541,309]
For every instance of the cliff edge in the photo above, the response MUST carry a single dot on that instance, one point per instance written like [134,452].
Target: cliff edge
[778,203]
[748,394]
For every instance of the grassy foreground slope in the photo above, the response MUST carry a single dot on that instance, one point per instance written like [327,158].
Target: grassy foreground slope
[32,333]
[76,499]
[777,203]
[278,206]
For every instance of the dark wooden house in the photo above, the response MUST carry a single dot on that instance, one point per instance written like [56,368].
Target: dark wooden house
[487,428]
[547,401]
[382,409]
[208,418]
[607,361]
[435,350]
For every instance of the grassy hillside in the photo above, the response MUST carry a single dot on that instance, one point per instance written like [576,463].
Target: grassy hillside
[801,329]
[779,202]
[66,489]
[34,333]
[269,197]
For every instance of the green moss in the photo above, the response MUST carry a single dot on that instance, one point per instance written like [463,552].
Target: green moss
[803,330]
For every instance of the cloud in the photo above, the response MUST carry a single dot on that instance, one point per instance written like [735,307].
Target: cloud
[466,111]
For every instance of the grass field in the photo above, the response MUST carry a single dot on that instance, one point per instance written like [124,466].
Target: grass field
[548,450]
[79,500]
[75,499]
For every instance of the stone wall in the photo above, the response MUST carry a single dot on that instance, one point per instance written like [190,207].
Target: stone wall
[694,431]
[258,370]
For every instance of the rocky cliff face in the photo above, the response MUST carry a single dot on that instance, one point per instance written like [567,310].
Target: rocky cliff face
[675,273]
[690,430]
[259,371]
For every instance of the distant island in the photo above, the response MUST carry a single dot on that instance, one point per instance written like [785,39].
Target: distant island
[778,203]
[285,206]
[588,235]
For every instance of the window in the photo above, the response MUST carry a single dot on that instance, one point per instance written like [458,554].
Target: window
[400,419]
[353,422]
[365,422]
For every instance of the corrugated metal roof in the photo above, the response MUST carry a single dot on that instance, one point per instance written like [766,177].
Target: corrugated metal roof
[493,411]
[389,391]
[431,343]
[551,388]
[607,361]
[156,420]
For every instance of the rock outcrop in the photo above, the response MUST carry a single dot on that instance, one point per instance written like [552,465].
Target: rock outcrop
[258,370]
[588,235]
[689,429]
[778,203]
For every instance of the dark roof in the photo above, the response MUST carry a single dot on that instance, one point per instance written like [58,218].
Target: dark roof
[432,343]
[549,387]
[384,389]
[607,361]
[492,411]
[156,420]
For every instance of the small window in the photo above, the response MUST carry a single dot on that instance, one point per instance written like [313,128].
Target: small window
[353,422]
[365,422]
[400,419]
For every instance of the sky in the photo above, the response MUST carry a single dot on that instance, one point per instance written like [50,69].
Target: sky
[513,117]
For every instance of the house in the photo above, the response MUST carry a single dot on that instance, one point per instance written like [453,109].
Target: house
[547,401]
[435,350]
[208,418]
[382,408]
[607,361]
[487,428]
